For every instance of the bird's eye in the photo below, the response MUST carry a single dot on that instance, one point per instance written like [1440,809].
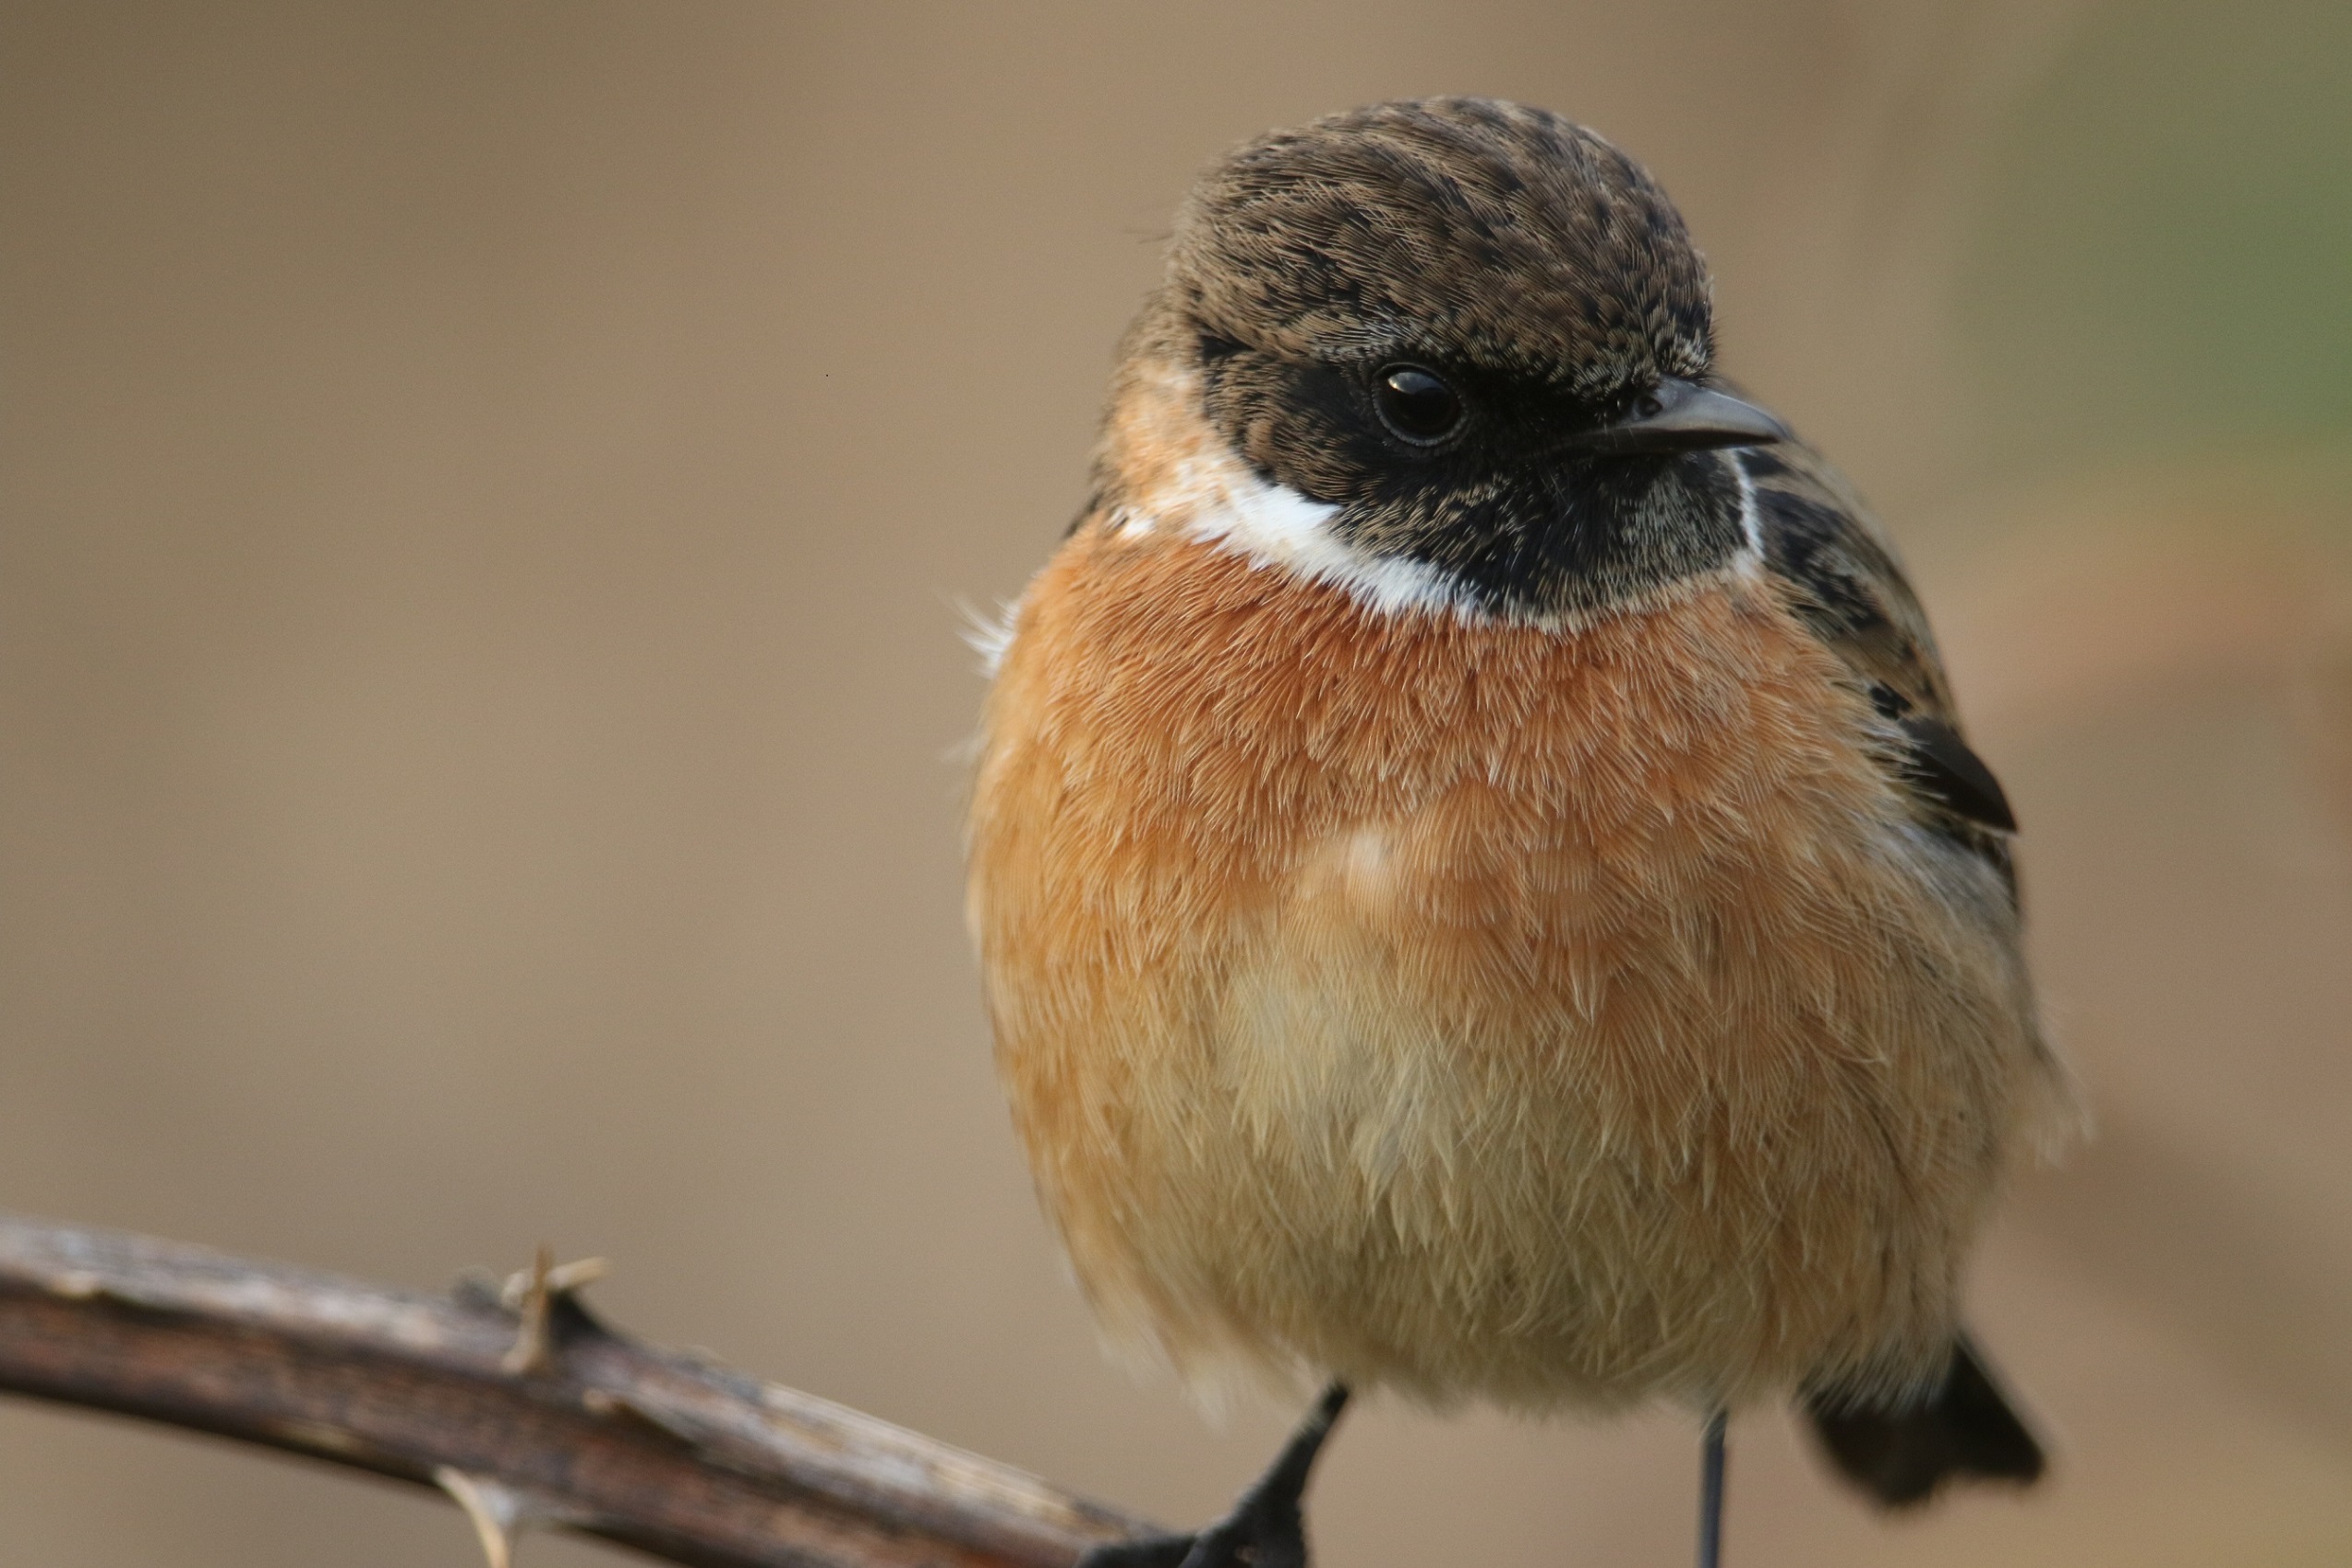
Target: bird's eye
[1416,403]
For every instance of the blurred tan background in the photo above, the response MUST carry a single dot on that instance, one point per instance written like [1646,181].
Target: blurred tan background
[483,492]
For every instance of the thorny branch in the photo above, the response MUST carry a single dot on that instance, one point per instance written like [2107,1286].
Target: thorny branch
[517,1402]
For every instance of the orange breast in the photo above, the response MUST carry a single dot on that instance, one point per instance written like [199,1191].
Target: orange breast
[1477,1008]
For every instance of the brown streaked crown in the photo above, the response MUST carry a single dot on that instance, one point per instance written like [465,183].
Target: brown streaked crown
[1457,226]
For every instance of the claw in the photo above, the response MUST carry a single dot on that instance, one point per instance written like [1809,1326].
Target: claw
[1149,1551]
[1267,1527]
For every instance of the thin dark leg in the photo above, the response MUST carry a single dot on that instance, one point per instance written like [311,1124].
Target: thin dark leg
[1711,1493]
[1267,1527]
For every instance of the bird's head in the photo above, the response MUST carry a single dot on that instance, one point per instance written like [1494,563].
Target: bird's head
[1463,351]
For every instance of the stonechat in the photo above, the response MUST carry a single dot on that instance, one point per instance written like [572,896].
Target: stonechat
[1481,888]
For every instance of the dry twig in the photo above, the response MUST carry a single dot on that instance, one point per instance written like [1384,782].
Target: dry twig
[527,1412]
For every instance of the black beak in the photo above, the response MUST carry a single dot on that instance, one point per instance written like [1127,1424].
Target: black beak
[1683,416]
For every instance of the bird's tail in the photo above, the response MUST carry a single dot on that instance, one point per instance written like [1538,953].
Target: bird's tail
[1963,1428]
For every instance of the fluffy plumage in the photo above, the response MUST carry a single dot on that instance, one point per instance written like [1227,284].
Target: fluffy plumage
[1565,981]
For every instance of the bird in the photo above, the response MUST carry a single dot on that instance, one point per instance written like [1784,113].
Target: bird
[1480,888]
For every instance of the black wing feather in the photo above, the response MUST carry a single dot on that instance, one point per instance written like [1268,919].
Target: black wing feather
[1939,763]
[1902,1456]
[1844,582]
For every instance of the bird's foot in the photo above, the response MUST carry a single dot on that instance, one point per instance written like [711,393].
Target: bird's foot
[1259,1533]
[1144,1551]
[1268,1526]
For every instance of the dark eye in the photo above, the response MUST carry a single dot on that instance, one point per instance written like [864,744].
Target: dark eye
[1416,403]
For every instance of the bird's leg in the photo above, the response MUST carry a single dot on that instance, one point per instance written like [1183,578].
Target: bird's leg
[1710,1492]
[1267,1527]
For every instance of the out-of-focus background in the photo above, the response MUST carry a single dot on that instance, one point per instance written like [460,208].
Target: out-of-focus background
[485,496]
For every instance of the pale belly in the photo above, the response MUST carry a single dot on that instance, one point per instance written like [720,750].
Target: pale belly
[1618,1043]
[1679,1172]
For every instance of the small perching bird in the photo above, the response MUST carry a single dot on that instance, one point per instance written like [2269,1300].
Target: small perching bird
[1481,888]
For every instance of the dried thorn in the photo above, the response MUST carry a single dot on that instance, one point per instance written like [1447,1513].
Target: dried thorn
[515,1294]
[500,1513]
[578,1274]
[494,1510]
[531,1293]
[529,1305]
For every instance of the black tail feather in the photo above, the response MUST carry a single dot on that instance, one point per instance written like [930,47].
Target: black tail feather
[1965,1429]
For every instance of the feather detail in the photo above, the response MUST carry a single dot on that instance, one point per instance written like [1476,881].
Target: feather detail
[1550,1014]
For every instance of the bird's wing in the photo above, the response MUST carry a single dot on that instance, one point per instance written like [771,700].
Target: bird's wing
[1844,582]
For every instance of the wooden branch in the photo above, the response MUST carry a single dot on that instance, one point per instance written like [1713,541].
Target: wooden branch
[518,1404]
